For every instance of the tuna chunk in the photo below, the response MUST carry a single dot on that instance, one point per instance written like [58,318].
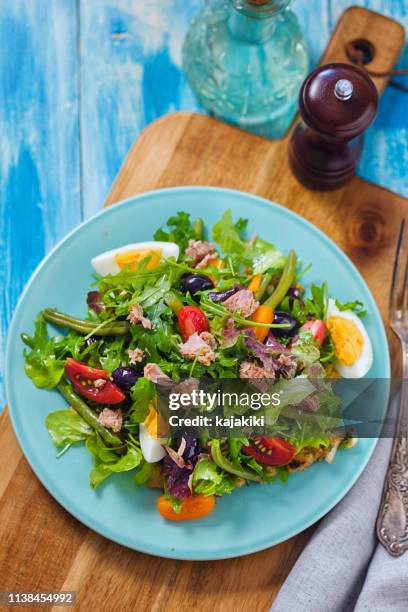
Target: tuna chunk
[200,252]
[201,346]
[208,339]
[136,316]
[111,419]
[135,355]
[242,301]
[259,376]
[285,365]
[155,374]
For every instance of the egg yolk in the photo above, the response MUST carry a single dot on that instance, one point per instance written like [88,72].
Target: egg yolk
[155,425]
[133,258]
[347,339]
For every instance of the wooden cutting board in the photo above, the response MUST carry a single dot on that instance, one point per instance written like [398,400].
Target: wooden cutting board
[42,546]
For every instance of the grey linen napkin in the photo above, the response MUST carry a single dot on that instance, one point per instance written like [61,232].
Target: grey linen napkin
[343,568]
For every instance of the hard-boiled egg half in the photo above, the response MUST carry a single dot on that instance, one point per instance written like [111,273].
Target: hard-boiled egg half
[111,262]
[352,345]
[150,442]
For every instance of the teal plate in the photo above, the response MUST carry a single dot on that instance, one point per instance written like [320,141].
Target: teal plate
[252,518]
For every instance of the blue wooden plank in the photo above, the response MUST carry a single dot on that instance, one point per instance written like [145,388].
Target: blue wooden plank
[130,74]
[39,167]
[385,157]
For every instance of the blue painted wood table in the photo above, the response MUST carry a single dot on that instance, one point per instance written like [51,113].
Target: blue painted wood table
[79,79]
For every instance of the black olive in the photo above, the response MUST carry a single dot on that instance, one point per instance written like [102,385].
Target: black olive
[125,377]
[221,296]
[284,318]
[191,283]
[295,293]
[90,341]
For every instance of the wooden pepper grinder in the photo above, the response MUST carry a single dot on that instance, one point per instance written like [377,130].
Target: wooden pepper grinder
[337,103]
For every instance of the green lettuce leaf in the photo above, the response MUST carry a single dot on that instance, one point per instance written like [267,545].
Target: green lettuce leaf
[67,427]
[144,472]
[143,391]
[264,256]
[41,363]
[107,462]
[228,234]
[208,479]
[305,349]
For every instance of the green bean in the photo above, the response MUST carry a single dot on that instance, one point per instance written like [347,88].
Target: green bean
[114,328]
[173,302]
[263,287]
[28,340]
[285,282]
[198,229]
[88,414]
[227,466]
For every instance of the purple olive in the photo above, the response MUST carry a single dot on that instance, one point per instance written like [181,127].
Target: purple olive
[221,296]
[295,293]
[284,318]
[125,377]
[191,283]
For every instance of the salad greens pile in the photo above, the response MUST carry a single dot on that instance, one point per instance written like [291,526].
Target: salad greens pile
[228,308]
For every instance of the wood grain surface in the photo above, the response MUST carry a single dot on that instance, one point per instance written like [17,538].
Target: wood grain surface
[42,546]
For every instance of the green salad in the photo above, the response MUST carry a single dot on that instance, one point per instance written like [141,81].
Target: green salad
[191,306]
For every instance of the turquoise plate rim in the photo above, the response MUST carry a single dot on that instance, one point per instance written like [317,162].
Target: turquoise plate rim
[65,500]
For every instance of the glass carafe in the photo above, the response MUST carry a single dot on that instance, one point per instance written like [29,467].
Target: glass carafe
[246,61]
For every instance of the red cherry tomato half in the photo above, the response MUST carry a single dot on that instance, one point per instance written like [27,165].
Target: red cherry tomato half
[317,328]
[76,367]
[191,320]
[92,383]
[270,451]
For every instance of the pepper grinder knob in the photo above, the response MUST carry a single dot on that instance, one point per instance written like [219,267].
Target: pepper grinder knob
[337,103]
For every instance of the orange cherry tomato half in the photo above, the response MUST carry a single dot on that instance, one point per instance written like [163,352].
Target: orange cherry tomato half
[270,451]
[192,508]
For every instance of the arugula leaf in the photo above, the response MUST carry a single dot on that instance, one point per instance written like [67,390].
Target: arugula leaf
[208,479]
[110,354]
[67,427]
[42,365]
[316,306]
[241,226]
[229,234]
[152,294]
[143,391]
[180,231]
[357,307]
